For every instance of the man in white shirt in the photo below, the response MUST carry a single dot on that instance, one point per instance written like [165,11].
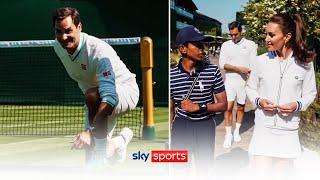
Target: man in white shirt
[109,88]
[236,58]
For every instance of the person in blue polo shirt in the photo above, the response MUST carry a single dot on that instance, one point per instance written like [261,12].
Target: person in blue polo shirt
[193,85]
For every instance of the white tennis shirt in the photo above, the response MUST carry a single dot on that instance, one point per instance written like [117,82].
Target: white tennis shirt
[242,53]
[95,64]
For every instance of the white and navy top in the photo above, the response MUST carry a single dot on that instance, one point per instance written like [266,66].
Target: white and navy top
[281,82]
[210,82]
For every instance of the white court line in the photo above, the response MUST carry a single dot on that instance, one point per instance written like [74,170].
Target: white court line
[28,141]
[30,145]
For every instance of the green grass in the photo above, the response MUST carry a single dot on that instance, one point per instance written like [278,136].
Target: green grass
[54,151]
[161,118]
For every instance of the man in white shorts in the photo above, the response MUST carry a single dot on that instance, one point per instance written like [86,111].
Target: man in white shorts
[236,57]
[109,88]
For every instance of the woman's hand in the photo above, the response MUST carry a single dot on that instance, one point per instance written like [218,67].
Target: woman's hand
[287,108]
[267,105]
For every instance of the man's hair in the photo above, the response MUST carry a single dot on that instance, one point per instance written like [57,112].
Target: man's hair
[235,24]
[61,13]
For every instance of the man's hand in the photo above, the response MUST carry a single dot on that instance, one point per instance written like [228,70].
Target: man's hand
[189,106]
[243,70]
[287,108]
[267,105]
[83,140]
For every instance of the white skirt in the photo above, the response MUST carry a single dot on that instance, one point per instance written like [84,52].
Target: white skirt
[266,143]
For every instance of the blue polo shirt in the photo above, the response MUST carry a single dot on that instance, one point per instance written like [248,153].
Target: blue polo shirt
[210,82]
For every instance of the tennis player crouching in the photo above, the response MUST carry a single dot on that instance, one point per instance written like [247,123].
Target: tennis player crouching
[109,87]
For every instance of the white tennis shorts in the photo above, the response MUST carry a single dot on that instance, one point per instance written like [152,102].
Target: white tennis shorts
[128,95]
[235,90]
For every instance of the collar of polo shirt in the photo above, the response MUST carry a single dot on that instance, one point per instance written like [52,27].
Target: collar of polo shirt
[194,72]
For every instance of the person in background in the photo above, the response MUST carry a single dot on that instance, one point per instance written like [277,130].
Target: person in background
[236,58]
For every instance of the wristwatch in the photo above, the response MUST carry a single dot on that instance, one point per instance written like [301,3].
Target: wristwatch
[203,107]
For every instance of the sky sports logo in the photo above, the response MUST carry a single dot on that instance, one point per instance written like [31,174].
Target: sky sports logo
[162,156]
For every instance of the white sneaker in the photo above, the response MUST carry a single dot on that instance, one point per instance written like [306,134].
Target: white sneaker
[236,137]
[121,151]
[227,141]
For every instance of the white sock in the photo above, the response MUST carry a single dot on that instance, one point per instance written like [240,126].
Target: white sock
[228,130]
[100,153]
[237,127]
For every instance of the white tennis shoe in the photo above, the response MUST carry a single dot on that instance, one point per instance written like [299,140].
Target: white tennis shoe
[227,141]
[121,151]
[236,137]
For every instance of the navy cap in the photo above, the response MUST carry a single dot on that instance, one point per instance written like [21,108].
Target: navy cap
[189,33]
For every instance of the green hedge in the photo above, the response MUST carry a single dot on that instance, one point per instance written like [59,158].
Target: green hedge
[261,50]
[174,57]
[309,131]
